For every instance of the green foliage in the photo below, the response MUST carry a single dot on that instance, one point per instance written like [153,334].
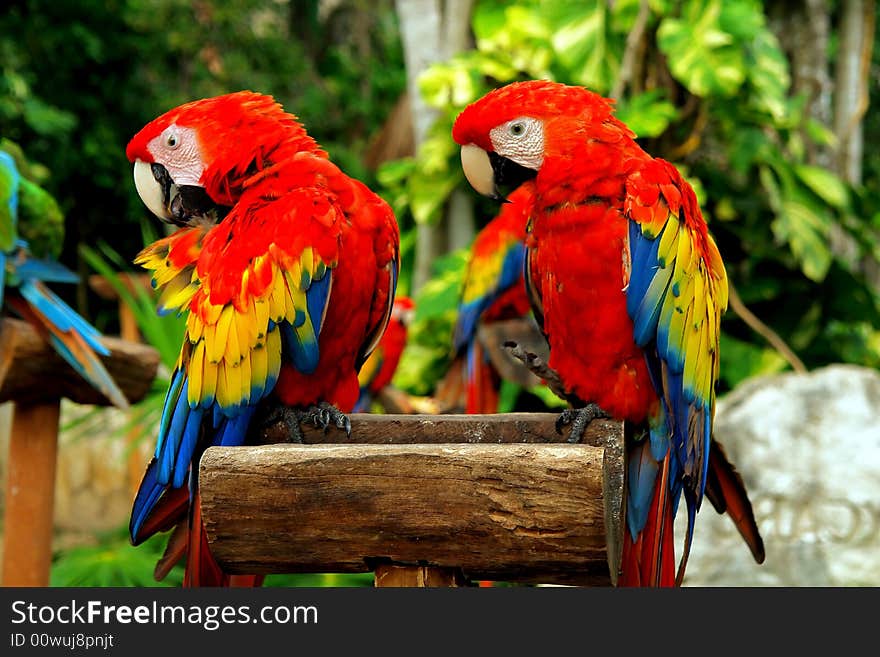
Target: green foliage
[40,220]
[712,93]
[429,338]
[112,561]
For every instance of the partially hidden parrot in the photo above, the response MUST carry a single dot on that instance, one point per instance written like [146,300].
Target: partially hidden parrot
[493,290]
[26,209]
[286,271]
[628,287]
[379,368]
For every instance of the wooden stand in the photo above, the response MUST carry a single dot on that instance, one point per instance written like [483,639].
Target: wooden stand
[35,378]
[422,501]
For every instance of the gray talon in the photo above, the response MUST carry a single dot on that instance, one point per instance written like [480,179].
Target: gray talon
[320,416]
[578,418]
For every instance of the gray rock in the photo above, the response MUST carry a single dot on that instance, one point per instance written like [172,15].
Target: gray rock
[808,448]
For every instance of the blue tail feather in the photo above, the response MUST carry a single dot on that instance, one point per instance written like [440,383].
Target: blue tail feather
[148,494]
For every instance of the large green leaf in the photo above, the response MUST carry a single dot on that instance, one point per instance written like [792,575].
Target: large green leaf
[825,184]
[701,55]
[768,74]
[583,43]
[803,225]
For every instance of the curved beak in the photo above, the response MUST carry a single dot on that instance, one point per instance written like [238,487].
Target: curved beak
[487,172]
[154,186]
[478,170]
[172,203]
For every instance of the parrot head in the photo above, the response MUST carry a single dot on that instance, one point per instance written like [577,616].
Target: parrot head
[509,135]
[195,158]
[403,310]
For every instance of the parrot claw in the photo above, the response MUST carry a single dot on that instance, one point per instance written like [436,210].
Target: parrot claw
[323,415]
[578,418]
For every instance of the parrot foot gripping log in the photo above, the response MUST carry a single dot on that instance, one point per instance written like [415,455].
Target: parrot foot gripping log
[321,415]
[579,418]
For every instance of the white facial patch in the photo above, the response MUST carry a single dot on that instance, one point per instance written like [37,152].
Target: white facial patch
[177,149]
[520,140]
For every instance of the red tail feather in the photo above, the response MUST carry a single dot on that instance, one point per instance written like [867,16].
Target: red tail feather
[175,550]
[726,491]
[482,386]
[650,559]
[170,510]
[201,568]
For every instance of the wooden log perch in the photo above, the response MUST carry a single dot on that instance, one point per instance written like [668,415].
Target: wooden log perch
[500,497]
[32,372]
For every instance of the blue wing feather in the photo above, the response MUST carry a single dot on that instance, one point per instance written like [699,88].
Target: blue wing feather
[469,313]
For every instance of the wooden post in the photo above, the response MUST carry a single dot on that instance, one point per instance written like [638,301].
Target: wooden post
[30,494]
[36,378]
[392,575]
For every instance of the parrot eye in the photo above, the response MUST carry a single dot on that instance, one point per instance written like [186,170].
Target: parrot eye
[520,140]
[172,140]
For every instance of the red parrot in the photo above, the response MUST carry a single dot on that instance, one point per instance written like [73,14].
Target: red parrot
[286,270]
[629,288]
[493,290]
[380,367]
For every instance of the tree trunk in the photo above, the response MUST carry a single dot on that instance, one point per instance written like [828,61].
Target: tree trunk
[432,31]
[856,39]
[796,24]
[460,223]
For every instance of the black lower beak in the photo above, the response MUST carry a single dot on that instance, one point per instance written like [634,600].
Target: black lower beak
[508,175]
[184,202]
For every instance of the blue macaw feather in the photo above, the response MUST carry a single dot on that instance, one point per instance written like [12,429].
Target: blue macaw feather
[303,353]
[642,470]
[466,324]
[469,313]
[362,405]
[187,446]
[171,396]
[148,494]
[302,346]
[61,315]
[48,271]
[2,277]
[316,300]
[234,431]
[171,441]
[13,179]
[217,416]
[643,254]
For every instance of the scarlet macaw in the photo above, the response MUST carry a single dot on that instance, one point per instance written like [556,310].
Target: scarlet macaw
[24,206]
[380,367]
[493,290]
[629,288]
[286,269]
